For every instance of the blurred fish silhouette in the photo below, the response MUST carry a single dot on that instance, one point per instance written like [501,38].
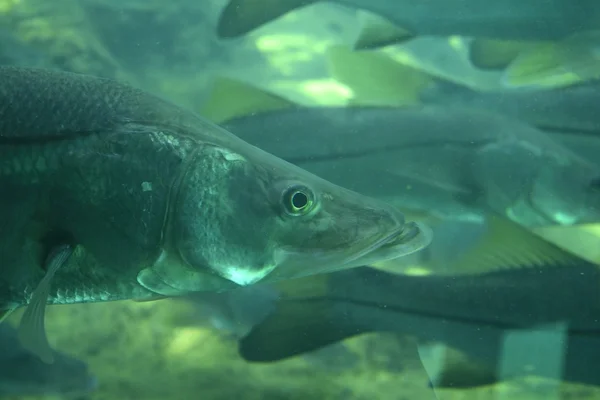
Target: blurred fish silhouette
[568,111]
[491,302]
[377,79]
[546,64]
[393,21]
[449,162]
[491,314]
[22,373]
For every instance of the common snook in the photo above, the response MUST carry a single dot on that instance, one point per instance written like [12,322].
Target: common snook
[111,193]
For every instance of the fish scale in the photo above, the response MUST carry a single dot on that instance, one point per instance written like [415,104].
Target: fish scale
[31,161]
[96,186]
[55,158]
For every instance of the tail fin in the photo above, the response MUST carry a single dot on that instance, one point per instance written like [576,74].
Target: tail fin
[242,16]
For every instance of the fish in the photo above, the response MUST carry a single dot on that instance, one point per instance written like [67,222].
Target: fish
[463,253]
[563,113]
[562,110]
[533,20]
[22,373]
[520,320]
[460,248]
[112,193]
[447,162]
[558,110]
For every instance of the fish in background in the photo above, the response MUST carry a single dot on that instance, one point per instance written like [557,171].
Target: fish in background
[547,64]
[110,193]
[562,110]
[507,19]
[537,43]
[472,314]
[448,162]
[493,304]
[22,373]
[567,113]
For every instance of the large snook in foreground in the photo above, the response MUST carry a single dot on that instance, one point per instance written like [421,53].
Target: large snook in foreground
[111,193]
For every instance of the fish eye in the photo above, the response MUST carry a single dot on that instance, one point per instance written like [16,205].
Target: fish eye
[298,200]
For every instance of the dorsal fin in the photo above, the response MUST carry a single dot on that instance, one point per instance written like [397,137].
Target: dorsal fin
[505,244]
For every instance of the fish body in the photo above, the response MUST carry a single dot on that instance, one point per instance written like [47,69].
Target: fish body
[111,193]
[507,19]
[451,162]
[72,168]
[566,109]
[23,374]
[473,314]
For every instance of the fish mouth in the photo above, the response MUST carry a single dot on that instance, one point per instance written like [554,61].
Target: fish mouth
[402,235]
[407,239]
[402,240]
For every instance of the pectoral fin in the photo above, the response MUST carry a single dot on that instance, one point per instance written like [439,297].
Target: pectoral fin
[151,298]
[5,313]
[169,277]
[32,332]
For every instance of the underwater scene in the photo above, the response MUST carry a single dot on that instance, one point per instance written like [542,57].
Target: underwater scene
[300,199]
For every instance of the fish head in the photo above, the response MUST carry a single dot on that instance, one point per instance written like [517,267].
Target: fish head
[249,216]
[537,182]
[567,194]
